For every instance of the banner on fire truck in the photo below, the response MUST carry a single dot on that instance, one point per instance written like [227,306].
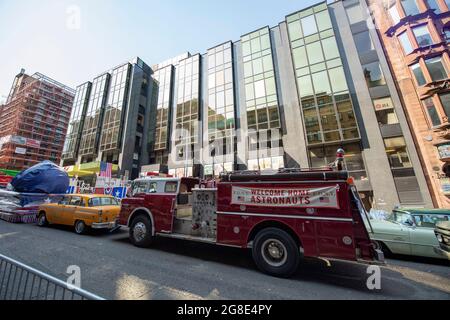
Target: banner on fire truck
[325,197]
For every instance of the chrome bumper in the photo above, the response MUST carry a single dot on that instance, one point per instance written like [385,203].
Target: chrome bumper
[441,252]
[104,225]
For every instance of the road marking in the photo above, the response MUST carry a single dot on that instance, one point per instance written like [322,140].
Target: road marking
[7,234]
[421,277]
[130,287]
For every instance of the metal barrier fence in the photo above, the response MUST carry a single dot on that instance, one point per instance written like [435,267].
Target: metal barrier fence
[21,282]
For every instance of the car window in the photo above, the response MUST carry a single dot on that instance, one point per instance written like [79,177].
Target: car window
[139,187]
[429,220]
[76,201]
[65,200]
[153,188]
[105,201]
[402,218]
[94,202]
[171,187]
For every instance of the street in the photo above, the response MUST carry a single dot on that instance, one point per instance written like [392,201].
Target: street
[172,269]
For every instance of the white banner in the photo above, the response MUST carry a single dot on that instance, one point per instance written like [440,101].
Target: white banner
[325,197]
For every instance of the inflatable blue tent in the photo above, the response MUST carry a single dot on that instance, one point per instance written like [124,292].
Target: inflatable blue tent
[45,177]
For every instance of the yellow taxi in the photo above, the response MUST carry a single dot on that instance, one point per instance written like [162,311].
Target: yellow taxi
[82,211]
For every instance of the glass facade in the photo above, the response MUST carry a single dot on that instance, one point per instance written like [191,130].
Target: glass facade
[116,106]
[164,79]
[75,129]
[94,113]
[187,108]
[263,117]
[221,107]
[322,85]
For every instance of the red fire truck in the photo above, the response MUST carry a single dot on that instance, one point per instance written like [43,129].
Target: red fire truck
[282,216]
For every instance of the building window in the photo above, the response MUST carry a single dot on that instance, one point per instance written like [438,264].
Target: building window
[436,69]
[432,4]
[353,160]
[418,74]
[405,42]
[363,42]
[354,14]
[397,152]
[445,100]
[309,25]
[432,112]
[423,36]
[373,74]
[447,34]
[393,12]
[410,7]
[384,109]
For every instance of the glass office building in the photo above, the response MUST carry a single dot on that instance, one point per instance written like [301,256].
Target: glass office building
[290,96]
[110,118]
[286,96]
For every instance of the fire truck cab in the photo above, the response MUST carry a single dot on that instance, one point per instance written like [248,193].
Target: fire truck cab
[282,216]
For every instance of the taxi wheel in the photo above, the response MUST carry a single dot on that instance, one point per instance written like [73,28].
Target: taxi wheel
[80,227]
[42,220]
[141,232]
[276,253]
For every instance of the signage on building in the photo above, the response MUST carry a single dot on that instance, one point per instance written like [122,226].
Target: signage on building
[18,140]
[444,151]
[21,150]
[325,197]
[33,143]
[383,104]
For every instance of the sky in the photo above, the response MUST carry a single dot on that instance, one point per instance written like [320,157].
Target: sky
[72,41]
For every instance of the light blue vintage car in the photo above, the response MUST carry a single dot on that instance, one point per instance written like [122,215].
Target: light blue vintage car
[409,232]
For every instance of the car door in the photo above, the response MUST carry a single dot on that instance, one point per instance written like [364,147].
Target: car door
[423,238]
[70,209]
[56,213]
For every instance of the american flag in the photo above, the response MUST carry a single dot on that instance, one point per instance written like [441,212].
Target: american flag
[105,169]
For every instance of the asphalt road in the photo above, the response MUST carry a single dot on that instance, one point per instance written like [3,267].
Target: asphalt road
[172,269]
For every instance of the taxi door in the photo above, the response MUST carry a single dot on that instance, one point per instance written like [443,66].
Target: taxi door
[68,216]
[55,215]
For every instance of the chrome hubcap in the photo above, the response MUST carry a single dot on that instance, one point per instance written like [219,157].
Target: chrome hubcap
[79,227]
[274,252]
[139,231]
[42,220]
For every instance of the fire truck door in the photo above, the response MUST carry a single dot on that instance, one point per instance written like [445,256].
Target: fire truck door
[335,239]
[162,208]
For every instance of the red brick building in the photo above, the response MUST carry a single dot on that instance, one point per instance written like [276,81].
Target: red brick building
[34,121]
[415,36]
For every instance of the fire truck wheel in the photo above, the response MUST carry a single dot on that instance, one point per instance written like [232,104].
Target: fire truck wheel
[275,252]
[141,232]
